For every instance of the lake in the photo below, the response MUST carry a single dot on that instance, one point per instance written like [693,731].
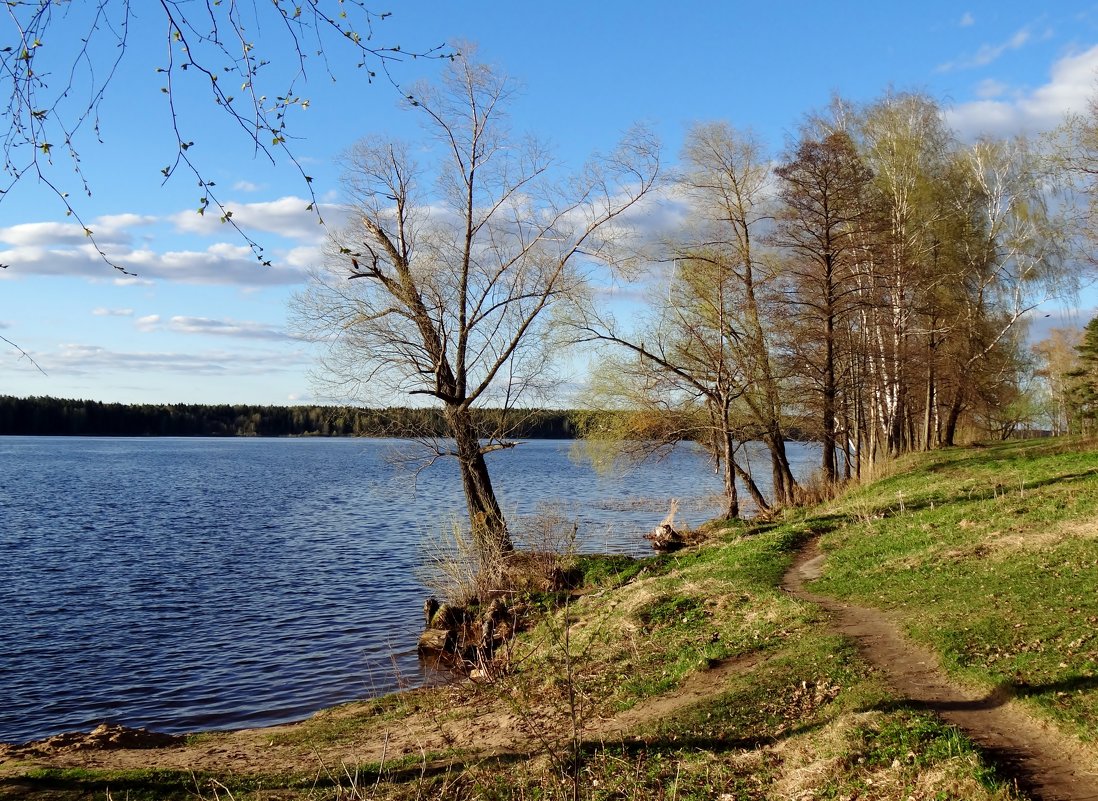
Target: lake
[195,584]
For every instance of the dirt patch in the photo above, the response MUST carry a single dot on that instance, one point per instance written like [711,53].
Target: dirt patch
[1046,763]
[1005,544]
[275,749]
[106,737]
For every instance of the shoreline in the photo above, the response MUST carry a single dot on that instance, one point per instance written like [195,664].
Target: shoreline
[748,666]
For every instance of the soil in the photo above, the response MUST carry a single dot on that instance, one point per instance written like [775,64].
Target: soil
[1045,763]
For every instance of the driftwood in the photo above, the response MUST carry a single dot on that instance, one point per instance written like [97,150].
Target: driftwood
[665,537]
[461,636]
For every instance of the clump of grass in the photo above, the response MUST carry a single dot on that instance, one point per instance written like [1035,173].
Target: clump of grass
[462,571]
[609,571]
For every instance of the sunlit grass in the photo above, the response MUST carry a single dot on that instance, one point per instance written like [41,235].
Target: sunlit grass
[990,555]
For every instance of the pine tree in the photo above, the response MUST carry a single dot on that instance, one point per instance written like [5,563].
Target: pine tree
[1083,382]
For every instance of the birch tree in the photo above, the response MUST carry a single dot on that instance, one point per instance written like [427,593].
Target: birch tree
[902,140]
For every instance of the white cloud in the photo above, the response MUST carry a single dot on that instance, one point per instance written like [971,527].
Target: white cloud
[967,19]
[80,359]
[111,229]
[989,53]
[303,257]
[231,328]
[990,88]
[246,186]
[64,248]
[1071,84]
[221,264]
[34,234]
[119,224]
[104,312]
[287,217]
[150,322]
[132,280]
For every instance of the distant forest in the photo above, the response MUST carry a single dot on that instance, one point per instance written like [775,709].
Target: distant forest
[61,417]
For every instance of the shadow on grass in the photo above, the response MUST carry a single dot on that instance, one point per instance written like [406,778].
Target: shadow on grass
[61,785]
[1008,765]
[1072,684]
[1000,695]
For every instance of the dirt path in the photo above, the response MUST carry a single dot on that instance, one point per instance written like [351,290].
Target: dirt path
[1045,763]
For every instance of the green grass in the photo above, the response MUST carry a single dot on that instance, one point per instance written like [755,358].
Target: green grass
[609,570]
[990,556]
[147,784]
[809,699]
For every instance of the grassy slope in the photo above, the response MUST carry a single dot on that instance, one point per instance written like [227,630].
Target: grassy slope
[989,554]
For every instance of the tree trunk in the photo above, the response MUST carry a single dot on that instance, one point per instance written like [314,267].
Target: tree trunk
[784,483]
[950,433]
[732,501]
[830,466]
[931,404]
[752,488]
[896,443]
[485,517]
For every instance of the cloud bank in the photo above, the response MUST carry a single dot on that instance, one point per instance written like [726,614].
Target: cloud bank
[67,249]
[1002,111]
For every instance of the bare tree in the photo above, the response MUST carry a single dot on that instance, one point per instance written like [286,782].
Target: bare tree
[675,376]
[443,284]
[726,176]
[707,346]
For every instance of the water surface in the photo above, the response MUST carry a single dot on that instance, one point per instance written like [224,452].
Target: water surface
[188,584]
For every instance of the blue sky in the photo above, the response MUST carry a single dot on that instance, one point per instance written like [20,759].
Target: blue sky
[202,322]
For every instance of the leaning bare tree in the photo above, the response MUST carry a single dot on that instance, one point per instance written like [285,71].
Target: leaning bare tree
[707,346]
[443,284]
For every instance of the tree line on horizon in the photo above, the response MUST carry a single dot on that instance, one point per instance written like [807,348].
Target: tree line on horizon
[47,416]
